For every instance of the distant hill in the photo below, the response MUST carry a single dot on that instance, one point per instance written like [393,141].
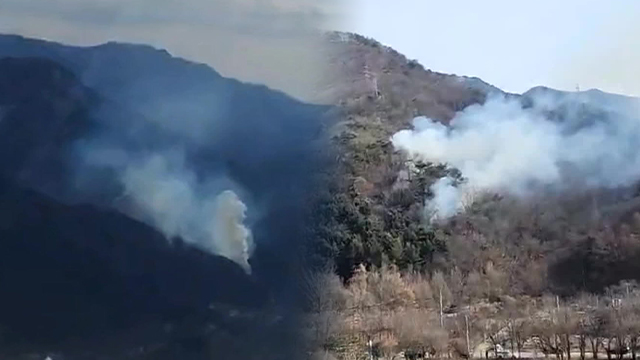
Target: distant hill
[70,252]
[326,176]
[557,246]
[377,208]
[212,114]
[592,96]
[143,100]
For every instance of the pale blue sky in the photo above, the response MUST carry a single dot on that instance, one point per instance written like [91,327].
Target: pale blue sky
[514,44]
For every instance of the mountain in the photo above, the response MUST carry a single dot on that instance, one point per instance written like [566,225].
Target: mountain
[319,179]
[172,91]
[150,101]
[405,85]
[44,110]
[47,110]
[566,242]
[189,100]
[78,270]
[265,142]
[376,214]
[55,105]
[583,107]
[92,283]
[72,121]
[370,222]
[592,96]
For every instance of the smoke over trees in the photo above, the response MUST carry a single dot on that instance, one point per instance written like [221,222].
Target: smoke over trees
[162,137]
[558,143]
[505,222]
[198,166]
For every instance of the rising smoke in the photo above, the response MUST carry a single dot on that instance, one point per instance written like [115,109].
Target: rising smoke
[161,190]
[544,140]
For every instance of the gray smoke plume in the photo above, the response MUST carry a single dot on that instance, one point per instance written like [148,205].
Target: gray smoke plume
[520,146]
[229,213]
[161,190]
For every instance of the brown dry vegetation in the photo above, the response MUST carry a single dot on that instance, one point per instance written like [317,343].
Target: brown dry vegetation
[509,271]
[375,212]
[373,215]
[412,315]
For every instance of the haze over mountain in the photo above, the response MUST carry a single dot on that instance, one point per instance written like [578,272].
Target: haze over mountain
[193,200]
[274,43]
[544,140]
[200,123]
[463,217]
[99,136]
[547,144]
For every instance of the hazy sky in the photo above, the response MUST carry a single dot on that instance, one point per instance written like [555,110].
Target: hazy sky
[266,41]
[512,44]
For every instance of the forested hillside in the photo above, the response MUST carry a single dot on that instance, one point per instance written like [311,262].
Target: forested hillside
[441,214]
[567,244]
[149,207]
[378,211]
[374,217]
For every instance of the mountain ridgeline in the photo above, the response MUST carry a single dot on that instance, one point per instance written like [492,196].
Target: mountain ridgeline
[146,195]
[466,220]
[448,173]
[115,160]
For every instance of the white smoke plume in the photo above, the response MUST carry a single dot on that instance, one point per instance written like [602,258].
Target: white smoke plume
[229,214]
[502,147]
[447,201]
[160,190]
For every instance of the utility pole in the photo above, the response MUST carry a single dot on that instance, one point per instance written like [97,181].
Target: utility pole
[466,323]
[372,79]
[441,315]
[555,320]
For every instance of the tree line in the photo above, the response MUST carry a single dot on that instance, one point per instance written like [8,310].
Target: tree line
[432,316]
